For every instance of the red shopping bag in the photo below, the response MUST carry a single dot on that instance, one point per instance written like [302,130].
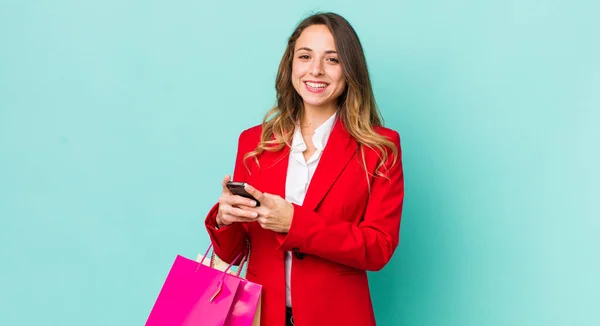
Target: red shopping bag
[197,294]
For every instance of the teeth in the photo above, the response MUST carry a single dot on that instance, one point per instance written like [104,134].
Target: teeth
[316,85]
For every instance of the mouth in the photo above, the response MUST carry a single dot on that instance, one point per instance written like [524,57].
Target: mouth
[315,87]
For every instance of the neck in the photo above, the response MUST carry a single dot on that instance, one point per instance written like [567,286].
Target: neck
[313,117]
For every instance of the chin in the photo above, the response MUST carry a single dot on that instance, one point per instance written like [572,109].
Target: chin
[310,100]
[315,103]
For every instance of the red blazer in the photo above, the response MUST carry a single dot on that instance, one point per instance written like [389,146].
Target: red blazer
[338,234]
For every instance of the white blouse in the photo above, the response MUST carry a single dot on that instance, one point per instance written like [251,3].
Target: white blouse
[298,178]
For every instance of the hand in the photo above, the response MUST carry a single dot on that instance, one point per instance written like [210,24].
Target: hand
[233,208]
[274,212]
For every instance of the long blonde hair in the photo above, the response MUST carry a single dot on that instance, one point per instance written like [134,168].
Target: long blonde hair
[357,109]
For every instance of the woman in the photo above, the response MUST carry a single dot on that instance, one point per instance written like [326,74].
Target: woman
[328,177]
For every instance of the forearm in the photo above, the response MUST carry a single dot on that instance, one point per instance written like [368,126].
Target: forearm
[229,240]
[366,246]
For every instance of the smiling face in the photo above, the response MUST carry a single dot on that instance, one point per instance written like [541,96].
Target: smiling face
[316,70]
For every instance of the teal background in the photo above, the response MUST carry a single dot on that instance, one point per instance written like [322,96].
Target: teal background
[118,119]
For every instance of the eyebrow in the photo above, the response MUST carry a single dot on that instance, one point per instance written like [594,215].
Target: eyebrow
[310,50]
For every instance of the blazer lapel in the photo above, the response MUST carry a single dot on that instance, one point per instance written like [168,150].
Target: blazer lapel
[340,148]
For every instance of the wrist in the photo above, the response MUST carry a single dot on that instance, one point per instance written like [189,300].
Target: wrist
[218,222]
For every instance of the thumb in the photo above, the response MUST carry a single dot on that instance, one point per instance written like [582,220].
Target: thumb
[224,185]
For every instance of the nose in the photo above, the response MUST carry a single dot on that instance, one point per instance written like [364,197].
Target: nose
[316,68]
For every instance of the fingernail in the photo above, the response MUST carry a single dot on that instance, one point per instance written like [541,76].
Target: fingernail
[253,203]
[255,214]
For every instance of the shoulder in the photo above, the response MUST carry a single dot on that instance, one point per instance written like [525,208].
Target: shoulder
[394,137]
[250,136]
[388,133]
[393,152]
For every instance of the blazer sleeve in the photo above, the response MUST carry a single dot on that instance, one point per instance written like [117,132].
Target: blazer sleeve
[368,245]
[228,241]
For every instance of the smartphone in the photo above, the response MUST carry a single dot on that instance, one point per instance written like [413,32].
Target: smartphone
[237,188]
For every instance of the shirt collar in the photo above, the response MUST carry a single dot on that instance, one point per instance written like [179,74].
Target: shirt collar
[319,139]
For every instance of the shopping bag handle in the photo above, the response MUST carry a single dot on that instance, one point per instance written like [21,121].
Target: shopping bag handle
[245,258]
[219,285]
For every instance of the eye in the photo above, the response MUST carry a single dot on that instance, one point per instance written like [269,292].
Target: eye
[334,60]
[304,56]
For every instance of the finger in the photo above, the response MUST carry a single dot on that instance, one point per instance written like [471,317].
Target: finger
[261,211]
[249,209]
[236,200]
[235,219]
[255,193]
[229,219]
[262,221]
[224,184]
[240,213]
